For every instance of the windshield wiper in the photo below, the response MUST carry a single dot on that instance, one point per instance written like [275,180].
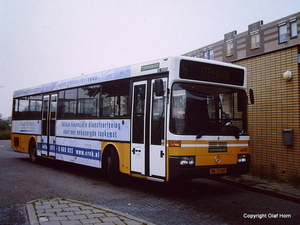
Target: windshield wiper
[209,129]
[219,129]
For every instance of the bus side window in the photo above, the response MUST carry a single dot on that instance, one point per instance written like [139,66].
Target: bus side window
[67,103]
[158,113]
[21,108]
[35,107]
[88,101]
[115,99]
[138,114]
[15,108]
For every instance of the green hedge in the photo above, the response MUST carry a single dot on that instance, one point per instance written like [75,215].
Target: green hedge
[4,130]
[5,135]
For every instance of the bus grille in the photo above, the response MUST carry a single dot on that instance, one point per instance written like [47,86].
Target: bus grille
[214,147]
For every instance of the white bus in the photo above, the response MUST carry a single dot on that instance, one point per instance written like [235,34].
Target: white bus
[167,119]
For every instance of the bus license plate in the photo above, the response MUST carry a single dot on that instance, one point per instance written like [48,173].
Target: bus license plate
[218,170]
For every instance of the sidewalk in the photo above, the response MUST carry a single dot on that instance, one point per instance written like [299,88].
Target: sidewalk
[58,211]
[281,190]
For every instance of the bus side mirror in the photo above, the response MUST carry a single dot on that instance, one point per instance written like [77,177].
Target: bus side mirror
[159,87]
[251,96]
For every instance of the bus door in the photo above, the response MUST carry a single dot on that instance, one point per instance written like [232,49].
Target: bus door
[148,152]
[157,149]
[138,127]
[48,124]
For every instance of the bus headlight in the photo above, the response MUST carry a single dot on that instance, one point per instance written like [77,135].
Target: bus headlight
[242,158]
[187,161]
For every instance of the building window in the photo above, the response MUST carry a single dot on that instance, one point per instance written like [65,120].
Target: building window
[255,40]
[282,32]
[194,54]
[205,54]
[229,48]
[210,53]
[293,27]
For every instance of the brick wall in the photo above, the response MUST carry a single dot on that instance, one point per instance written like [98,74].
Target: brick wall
[276,108]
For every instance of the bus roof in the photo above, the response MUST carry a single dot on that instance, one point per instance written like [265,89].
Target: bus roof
[160,65]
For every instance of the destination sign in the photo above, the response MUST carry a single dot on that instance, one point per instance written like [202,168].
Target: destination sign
[211,73]
[150,67]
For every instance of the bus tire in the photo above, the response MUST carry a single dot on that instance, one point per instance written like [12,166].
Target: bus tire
[33,152]
[111,166]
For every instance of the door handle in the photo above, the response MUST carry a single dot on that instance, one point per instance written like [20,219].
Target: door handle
[133,150]
[162,154]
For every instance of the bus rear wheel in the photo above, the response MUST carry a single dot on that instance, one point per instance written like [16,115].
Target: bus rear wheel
[111,166]
[33,152]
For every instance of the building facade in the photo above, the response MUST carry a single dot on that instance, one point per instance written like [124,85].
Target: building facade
[271,53]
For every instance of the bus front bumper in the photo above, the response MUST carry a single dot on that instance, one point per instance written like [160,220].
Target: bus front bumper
[178,172]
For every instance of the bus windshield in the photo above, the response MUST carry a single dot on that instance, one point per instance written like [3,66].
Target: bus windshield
[207,110]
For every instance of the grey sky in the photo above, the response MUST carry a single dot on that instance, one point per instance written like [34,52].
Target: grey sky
[46,40]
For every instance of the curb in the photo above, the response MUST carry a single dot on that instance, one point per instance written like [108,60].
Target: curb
[266,191]
[32,216]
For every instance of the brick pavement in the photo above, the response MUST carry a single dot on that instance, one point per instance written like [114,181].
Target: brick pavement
[59,211]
